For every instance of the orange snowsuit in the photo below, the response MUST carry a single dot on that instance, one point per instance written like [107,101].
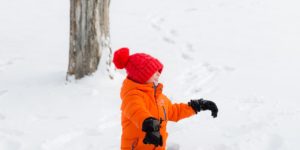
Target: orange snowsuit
[141,101]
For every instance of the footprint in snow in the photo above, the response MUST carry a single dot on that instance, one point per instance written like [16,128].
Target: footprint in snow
[156,23]
[228,68]
[2,92]
[2,117]
[172,37]
[190,9]
[169,40]
[5,64]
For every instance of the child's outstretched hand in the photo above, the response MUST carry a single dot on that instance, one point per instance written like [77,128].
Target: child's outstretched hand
[202,104]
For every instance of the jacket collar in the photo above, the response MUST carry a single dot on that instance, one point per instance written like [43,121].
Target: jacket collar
[129,85]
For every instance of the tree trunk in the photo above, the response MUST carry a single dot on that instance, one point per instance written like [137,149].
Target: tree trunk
[89,31]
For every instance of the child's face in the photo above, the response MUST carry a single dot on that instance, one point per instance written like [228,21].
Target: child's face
[154,78]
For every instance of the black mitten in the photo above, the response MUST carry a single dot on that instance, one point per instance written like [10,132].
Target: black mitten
[151,126]
[202,104]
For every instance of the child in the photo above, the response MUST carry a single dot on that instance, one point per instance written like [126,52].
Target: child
[145,109]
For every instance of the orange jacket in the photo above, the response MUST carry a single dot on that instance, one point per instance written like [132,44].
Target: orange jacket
[140,101]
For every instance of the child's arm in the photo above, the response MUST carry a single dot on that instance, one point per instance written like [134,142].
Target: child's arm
[134,108]
[179,111]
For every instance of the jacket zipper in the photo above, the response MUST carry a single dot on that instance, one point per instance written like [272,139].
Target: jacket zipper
[134,144]
[155,87]
[165,114]
[156,105]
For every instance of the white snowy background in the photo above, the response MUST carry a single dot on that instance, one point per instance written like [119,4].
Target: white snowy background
[242,54]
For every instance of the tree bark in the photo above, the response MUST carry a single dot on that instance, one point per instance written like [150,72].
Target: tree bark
[89,30]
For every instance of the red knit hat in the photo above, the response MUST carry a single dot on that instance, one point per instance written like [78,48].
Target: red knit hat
[140,66]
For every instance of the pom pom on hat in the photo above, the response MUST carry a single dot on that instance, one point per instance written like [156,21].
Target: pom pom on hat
[121,57]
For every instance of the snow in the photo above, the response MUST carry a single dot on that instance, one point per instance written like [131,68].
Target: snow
[242,54]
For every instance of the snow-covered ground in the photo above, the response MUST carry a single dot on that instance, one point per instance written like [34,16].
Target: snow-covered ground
[242,54]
